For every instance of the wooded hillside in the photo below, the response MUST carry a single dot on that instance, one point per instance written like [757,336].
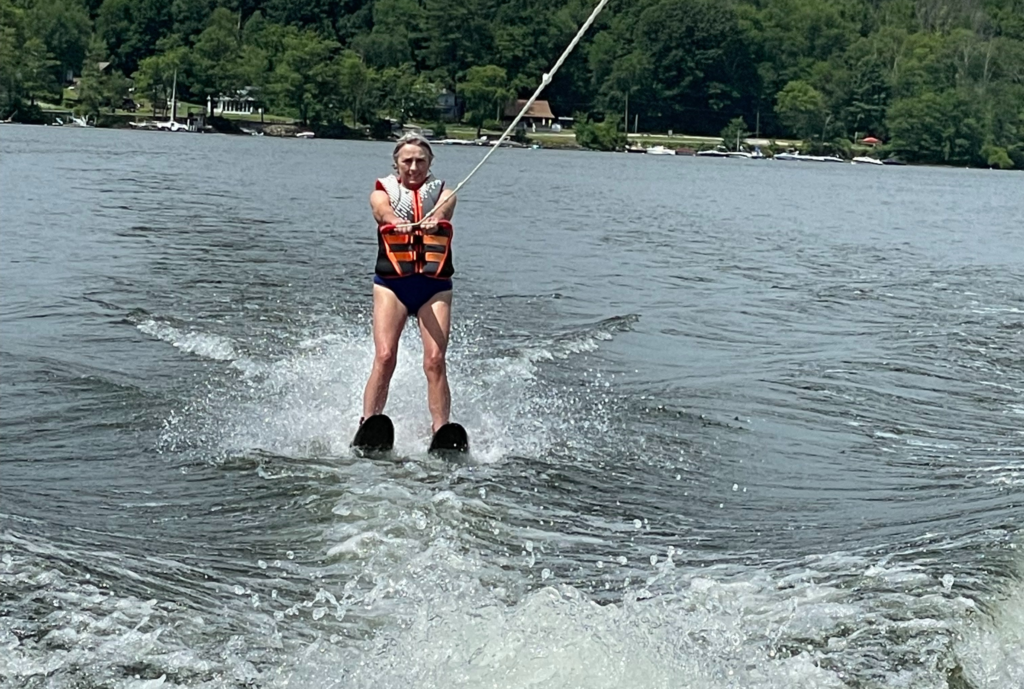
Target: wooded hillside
[941,80]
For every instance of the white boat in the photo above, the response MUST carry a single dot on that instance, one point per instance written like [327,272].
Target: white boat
[867,160]
[808,159]
[158,125]
[305,135]
[78,122]
[170,124]
[660,151]
[713,153]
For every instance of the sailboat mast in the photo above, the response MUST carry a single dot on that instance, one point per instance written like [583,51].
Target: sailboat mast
[174,98]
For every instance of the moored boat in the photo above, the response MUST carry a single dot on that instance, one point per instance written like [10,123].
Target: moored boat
[808,158]
[713,153]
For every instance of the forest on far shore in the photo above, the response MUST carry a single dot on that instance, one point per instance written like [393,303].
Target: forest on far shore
[940,81]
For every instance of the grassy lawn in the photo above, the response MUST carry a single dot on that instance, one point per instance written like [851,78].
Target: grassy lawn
[460,131]
[567,139]
[255,117]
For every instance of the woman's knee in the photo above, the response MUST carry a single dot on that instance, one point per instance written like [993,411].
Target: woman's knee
[434,364]
[386,358]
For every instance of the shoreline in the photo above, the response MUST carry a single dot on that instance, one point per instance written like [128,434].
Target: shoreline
[686,144]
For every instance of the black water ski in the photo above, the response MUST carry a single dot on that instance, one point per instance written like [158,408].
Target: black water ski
[375,434]
[450,437]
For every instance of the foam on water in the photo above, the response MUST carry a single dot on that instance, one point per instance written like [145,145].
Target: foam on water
[718,628]
[991,646]
[449,619]
[206,345]
[414,582]
[310,400]
[68,633]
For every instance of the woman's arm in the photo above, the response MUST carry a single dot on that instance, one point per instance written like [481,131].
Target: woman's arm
[444,210]
[445,205]
[383,213]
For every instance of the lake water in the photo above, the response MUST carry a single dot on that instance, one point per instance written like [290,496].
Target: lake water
[735,423]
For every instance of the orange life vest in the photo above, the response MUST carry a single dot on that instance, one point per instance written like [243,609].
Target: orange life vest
[407,253]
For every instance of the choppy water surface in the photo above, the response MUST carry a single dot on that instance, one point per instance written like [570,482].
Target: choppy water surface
[735,423]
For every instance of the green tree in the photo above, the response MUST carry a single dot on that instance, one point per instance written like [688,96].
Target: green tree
[602,136]
[485,92]
[254,72]
[863,107]
[11,40]
[919,65]
[27,69]
[802,109]
[305,78]
[331,19]
[405,95]
[527,35]
[355,80]
[101,90]
[390,43]
[1003,107]
[629,74]
[216,58]
[132,28]
[190,17]
[734,132]
[936,128]
[157,74]
[789,36]
[457,35]
[34,72]
[699,65]
[65,28]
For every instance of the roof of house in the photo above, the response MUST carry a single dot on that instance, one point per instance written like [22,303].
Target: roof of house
[540,109]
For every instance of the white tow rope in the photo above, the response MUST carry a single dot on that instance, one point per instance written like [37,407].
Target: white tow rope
[545,80]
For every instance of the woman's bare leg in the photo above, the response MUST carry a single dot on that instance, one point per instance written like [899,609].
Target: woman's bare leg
[389,316]
[435,324]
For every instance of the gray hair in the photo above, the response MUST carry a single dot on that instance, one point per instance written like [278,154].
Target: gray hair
[416,140]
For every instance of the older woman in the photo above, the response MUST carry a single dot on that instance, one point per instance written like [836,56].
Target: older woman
[413,211]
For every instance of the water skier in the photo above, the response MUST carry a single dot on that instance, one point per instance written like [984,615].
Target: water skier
[413,274]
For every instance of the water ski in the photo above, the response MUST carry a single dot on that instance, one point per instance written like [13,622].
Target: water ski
[450,437]
[375,434]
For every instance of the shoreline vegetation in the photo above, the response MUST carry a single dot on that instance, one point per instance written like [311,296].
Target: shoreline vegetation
[284,127]
[566,139]
[920,81]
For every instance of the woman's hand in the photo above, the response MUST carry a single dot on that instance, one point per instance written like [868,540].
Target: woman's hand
[398,225]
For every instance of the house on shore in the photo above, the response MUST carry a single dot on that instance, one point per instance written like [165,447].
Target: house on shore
[539,116]
[238,103]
